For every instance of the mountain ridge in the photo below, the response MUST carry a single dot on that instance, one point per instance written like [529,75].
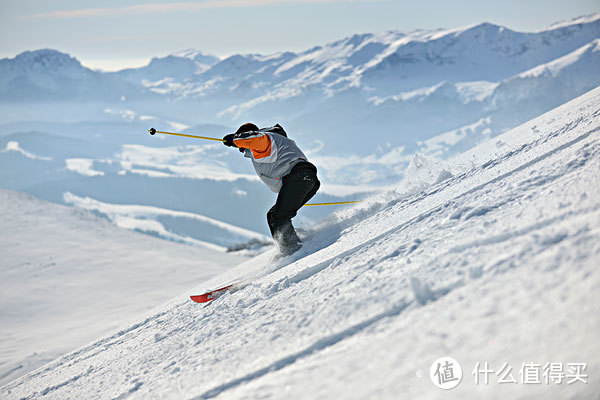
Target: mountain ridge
[394,40]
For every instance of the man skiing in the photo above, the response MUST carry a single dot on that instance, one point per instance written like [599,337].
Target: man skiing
[284,168]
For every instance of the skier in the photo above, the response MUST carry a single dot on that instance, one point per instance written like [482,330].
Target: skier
[282,166]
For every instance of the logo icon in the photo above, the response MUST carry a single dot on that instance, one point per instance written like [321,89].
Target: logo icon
[445,373]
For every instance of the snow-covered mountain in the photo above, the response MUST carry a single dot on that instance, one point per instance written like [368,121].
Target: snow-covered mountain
[556,81]
[49,76]
[514,100]
[67,277]
[404,86]
[491,259]
[178,66]
[408,87]
[363,109]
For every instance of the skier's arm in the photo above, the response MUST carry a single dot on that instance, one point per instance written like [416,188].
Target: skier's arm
[228,141]
[258,142]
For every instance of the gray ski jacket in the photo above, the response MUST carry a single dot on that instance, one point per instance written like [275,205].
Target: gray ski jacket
[273,154]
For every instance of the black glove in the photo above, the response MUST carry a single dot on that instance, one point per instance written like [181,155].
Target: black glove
[242,150]
[228,140]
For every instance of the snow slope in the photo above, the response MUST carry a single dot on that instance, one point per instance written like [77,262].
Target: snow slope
[68,276]
[495,263]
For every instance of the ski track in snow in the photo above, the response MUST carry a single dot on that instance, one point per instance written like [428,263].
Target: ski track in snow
[498,263]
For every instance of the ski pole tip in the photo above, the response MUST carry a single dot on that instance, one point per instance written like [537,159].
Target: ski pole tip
[152,131]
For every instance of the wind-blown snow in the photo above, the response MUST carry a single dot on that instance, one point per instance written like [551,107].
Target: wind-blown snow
[495,263]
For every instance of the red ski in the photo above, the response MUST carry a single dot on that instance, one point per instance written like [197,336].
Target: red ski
[211,295]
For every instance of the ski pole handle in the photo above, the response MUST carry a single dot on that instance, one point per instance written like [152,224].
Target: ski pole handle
[154,131]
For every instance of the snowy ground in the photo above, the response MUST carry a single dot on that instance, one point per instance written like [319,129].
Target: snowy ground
[495,264]
[67,277]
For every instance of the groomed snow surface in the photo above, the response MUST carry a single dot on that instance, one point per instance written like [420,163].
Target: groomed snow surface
[496,263]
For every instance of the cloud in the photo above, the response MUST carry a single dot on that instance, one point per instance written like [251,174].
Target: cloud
[157,8]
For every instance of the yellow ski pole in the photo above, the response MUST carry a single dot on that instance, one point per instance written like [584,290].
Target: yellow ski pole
[333,204]
[154,131]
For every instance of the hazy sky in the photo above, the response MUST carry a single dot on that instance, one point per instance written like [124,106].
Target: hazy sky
[114,34]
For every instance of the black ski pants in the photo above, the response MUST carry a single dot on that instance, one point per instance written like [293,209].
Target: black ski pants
[298,187]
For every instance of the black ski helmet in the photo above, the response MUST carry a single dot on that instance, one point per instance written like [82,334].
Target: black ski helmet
[247,127]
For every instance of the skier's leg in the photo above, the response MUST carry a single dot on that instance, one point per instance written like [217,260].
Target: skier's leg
[280,215]
[312,192]
[298,187]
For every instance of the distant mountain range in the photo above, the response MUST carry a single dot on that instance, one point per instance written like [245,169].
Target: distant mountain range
[363,108]
[401,88]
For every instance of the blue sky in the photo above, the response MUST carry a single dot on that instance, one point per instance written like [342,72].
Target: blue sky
[115,34]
